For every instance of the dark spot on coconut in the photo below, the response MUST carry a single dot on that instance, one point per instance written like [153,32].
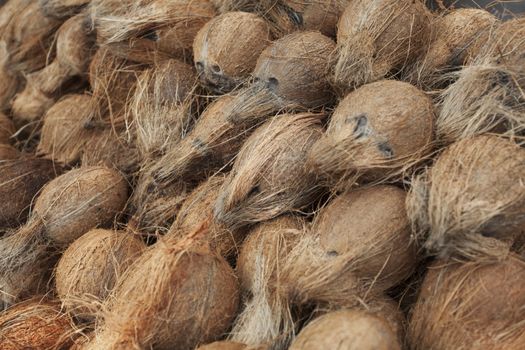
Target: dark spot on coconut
[254,191]
[361,127]
[198,144]
[272,84]
[216,69]
[151,35]
[296,17]
[332,253]
[503,78]
[386,149]
[200,66]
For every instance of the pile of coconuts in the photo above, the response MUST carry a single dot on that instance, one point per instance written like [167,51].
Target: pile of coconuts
[262,175]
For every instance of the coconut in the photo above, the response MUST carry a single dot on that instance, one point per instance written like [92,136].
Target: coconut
[188,296]
[379,131]
[269,176]
[223,345]
[62,8]
[376,39]
[7,129]
[226,49]
[470,203]
[67,207]
[63,136]
[36,324]
[72,58]
[349,329]
[457,310]
[20,181]
[90,267]
[452,36]
[162,106]
[8,152]
[488,94]
[9,81]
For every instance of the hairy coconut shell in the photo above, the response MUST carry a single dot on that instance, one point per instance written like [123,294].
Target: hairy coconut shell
[36,324]
[62,8]
[188,297]
[379,130]
[10,81]
[376,39]
[226,49]
[7,129]
[8,152]
[351,329]
[269,177]
[21,180]
[470,306]
[89,268]
[471,201]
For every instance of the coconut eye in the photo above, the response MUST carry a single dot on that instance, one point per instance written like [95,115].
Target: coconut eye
[386,149]
[151,35]
[272,83]
[216,69]
[200,66]
[254,191]
[361,126]
[332,253]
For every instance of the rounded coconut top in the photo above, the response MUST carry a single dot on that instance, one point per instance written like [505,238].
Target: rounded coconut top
[470,305]
[295,68]
[74,44]
[61,8]
[78,201]
[7,129]
[90,266]
[223,345]
[226,49]
[348,329]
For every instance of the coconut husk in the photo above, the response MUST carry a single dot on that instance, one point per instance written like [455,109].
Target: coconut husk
[487,95]
[7,129]
[226,49]
[36,324]
[269,176]
[8,152]
[188,297]
[469,204]
[458,309]
[223,345]
[62,8]
[10,82]
[378,133]
[89,268]
[68,206]
[375,40]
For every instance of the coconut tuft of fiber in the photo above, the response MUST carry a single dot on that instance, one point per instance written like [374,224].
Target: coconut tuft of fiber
[452,37]
[90,267]
[379,131]
[269,176]
[226,49]
[474,305]
[488,93]
[470,203]
[62,8]
[66,208]
[36,324]
[376,39]
[188,296]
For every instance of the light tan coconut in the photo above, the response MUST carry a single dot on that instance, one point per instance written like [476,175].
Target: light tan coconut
[62,8]
[89,268]
[470,306]
[7,129]
[487,95]
[375,39]
[223,345]
[269,176]
[188,296]
[470,202]
[67,207]
[36,324]
[379,131]
[226,49]
[350,329]
[10,82]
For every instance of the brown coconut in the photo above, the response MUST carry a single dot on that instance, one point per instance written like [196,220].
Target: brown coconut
[487,95]
[36,324]
[62,8]
[67,207]
[226,49]
[349,329]
[188,296]
[223,345]
[7,129]
[8,152]
[63,136]
[89,268]
[452,36]
[470,203]
[379,131]
[21,180]
[376,39]
[73,44]
[470,306]
[10,81]
[269,176]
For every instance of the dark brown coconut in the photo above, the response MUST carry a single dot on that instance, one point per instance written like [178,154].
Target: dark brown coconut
[470,306]
[376,39]
[68,206]
[226,49]
[88,270]
[269,176]
[379,131]
[7,129]
[488,94]
[20,181]
[62,8]
[188,296]
[350,329]
[471,201]
[36,324]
